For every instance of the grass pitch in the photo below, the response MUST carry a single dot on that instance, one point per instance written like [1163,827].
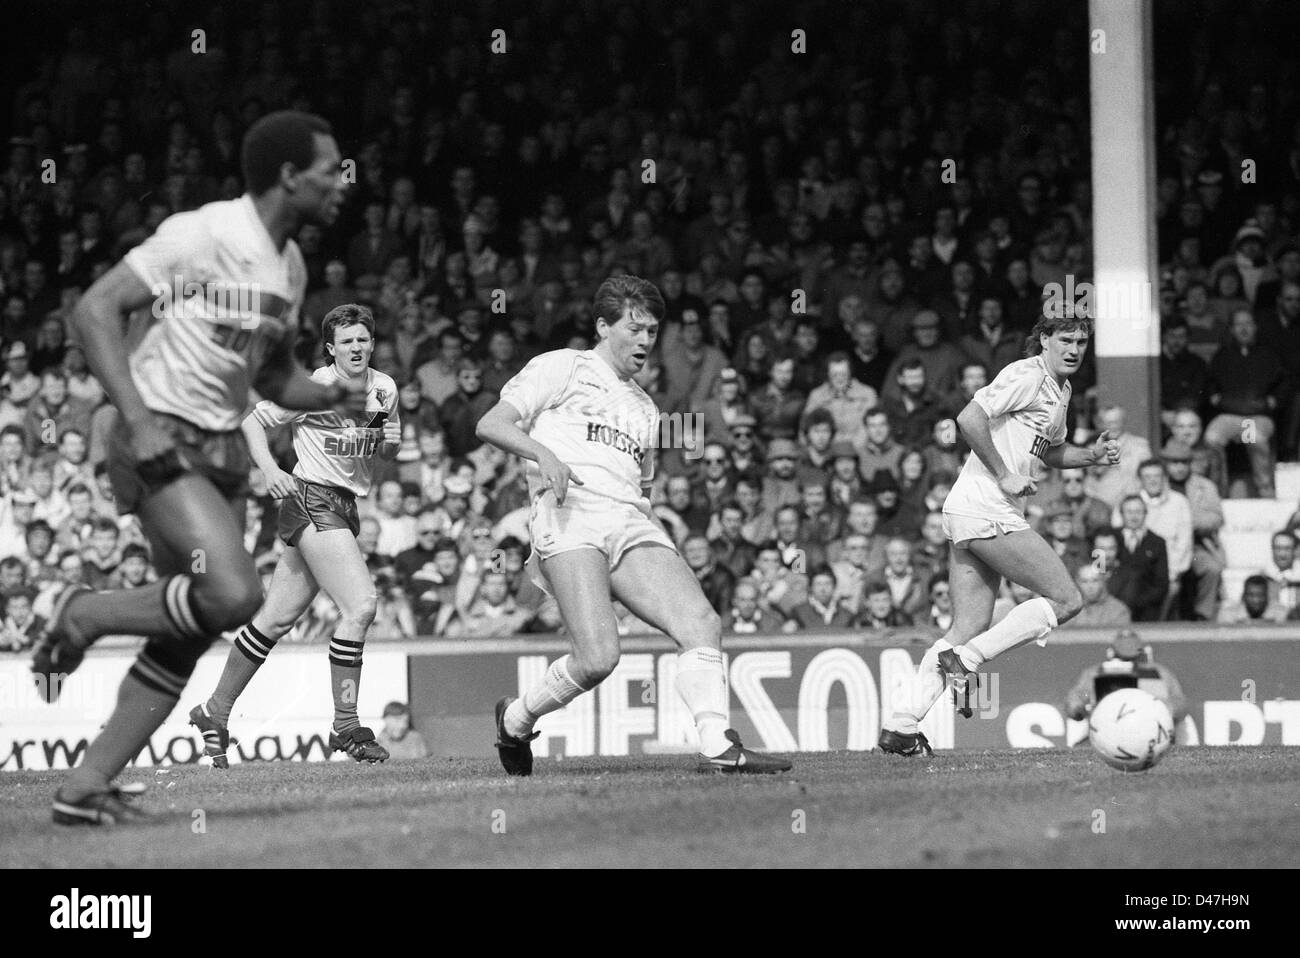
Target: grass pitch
[1203,807]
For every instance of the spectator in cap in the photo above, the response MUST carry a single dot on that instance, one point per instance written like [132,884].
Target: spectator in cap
[1207,461]
[1199,596]
[724,407]
[402,741]
[746,456]
[844,481]
[1128,664]
[780,480]
[897,518]
[1247,257]
[1100,608]
[846,399]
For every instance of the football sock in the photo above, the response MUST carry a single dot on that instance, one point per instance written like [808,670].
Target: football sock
[163,608]
[702,684]
[249,652]
[1026,622]
[345,681]
[923,691]
[555,690]
[146,697]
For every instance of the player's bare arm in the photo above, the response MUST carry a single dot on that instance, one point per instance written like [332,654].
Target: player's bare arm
[1104,452]
[98,321]
[283,380]
[278,482]
[500,427]
[973,422]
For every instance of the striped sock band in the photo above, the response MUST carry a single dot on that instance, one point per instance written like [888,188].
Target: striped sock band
[255,646]
[346,651]
[180,610]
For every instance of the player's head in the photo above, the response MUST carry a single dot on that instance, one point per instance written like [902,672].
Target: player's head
[628,312]
[348,332]
[295,153]
[1062,341]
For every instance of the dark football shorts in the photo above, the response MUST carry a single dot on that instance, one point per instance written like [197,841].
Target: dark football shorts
[220,457]
[323,507]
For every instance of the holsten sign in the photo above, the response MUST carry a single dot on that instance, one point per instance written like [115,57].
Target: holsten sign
[812,694]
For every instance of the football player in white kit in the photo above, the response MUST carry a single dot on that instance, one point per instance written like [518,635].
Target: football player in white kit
[1015,427]
[226,284]
[588,433]
[318,525]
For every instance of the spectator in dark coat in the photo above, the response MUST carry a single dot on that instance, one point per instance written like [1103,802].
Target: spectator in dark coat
[822,610]
[462,410]
[1245,381]
[1140,578]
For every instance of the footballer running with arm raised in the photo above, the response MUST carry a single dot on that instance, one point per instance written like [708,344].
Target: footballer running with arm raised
[588,433]
[226,283]
[318,526]
[1015,427]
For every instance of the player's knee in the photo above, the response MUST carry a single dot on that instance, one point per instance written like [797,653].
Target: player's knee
[590,669]
[224,604]
[361,611]
[703,630]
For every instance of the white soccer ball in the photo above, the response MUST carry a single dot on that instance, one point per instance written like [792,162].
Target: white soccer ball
[1131,730]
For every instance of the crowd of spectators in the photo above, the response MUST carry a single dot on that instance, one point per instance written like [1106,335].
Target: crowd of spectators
[850,241]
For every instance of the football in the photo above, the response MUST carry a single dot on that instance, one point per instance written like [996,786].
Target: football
[1131,730]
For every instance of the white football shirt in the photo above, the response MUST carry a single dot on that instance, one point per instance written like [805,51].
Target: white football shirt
[1026,410]
[225,296]
[602,427]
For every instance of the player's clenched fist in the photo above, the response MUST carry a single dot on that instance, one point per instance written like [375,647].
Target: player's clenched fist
[392,433]
[556,476]
[1105,451]
[1017,486]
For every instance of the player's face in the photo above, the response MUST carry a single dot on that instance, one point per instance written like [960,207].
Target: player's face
[321,186]
[351,348]
[629,340]
[1064,351]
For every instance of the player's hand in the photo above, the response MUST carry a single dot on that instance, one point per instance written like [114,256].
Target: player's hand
[1105,451]
[392,433]
[556,476]
[351,401]
[280,484]
[1016,485]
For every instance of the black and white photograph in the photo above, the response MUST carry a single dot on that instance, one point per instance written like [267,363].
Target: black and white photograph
[651,434]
